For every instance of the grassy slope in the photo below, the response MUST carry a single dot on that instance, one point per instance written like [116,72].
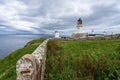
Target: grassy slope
[83,60]
[68,60]
[8,64]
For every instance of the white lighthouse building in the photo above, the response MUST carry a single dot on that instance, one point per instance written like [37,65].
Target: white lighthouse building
[79,26]
[80,33]
[57,34]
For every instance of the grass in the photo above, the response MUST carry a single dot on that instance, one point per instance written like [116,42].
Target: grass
[71,60]
[8,64]
[83,60]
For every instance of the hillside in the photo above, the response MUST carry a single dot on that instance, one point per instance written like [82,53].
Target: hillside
[71,60]
[83,60]
[8,64]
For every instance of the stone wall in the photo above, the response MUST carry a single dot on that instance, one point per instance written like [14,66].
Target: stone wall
[84,36]
[32,66]
[79,35]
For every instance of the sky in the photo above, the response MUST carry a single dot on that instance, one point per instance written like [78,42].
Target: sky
[47,16]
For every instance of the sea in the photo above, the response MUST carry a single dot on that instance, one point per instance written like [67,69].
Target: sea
[10,43]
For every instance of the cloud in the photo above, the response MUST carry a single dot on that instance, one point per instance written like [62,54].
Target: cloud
[46,16]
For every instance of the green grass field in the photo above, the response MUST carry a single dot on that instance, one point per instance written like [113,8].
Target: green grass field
[8,64]
[71,60]
[83,60]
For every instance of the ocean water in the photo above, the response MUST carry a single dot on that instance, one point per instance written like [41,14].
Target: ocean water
[10,43]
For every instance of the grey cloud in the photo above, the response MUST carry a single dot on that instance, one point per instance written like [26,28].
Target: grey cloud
[101,14]
[46,16]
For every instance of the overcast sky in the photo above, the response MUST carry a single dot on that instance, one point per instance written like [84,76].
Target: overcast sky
[47,16]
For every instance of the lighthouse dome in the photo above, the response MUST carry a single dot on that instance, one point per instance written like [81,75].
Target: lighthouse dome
[79,21]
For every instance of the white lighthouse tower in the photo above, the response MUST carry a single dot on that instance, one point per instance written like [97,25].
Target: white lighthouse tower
[80,33]
[79,26]
[57,34]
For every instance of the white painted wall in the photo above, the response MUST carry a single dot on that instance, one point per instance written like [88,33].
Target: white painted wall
[57,35]
[79,30]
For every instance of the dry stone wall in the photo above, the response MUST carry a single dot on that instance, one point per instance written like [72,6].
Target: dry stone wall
[32,66]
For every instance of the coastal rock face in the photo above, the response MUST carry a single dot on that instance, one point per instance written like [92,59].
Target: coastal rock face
[32,66]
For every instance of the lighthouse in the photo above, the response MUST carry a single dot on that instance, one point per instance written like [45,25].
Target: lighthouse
[57,34]
[80,33]
[79,25]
